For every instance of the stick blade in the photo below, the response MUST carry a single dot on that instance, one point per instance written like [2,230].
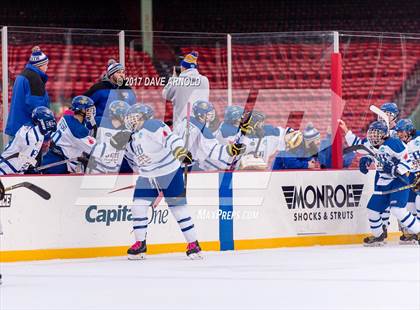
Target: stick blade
[381,114]
[38,190]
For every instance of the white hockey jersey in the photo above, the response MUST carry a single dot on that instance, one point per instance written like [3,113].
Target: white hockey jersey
[72,140]
[209,154]
[271,142]
[413,148]
[107,158]
[392,150]
[151,149]
[27,142]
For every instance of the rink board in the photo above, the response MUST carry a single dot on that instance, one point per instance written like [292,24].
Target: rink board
[243,210]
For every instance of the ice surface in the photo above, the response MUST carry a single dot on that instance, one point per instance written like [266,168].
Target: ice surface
[336,277]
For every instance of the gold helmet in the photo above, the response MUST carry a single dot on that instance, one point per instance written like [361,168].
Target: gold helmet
[293,139]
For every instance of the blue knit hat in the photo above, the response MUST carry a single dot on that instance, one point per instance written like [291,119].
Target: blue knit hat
[113,66]
[38,58]
[190,60]
[310,133]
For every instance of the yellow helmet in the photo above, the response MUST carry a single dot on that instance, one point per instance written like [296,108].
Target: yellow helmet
[293,139]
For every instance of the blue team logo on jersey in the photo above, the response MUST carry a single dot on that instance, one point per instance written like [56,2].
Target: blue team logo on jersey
[382,149]
[417,143]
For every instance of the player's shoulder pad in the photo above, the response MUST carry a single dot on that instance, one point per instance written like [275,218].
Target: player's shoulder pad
[228,130]
[153,125]
[77,129]
[203,128]
[270,130]
[395,144]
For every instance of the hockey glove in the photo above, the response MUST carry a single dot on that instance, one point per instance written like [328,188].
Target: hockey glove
[120,139]
[87,161]
[390,168]
[416,182]
[364,164]
[246,125]
[183,155]
[236,149]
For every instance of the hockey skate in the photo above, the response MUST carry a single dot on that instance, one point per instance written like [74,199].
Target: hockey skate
[137,251]
[373,241]
[194,250]
[407,238]
[385,229]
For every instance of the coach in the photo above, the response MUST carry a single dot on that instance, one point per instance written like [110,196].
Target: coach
[189,86]
[28,92]
[112,87]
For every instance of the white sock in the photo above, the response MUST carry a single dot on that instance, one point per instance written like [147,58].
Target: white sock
[375,222]
[406,219]
[385,217]
[139,212]
[185,222]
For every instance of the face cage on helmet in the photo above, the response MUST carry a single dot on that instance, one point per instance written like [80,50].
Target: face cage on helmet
[47,126]
[391,117]
[132,121]
[376,137]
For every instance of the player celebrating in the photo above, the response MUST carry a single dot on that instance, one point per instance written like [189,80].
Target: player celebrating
[392,166]
[230,125]
[71,141]
[157,153]
[261,140]
[206,150]
[107,158]
[407,133]
[24,151]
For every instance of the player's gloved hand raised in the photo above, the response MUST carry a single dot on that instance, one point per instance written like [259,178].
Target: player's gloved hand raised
[236,149]
[120,139]
[246,125]
[183,155]
[364,164]
[390,168]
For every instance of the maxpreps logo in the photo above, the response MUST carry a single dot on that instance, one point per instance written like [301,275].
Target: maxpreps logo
[326,202]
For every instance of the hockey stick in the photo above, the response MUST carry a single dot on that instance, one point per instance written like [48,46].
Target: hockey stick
[395,190]
[249,107]
[381,114]
[32,187]
[354,148]
[155,202]
[187,138]
[58,163]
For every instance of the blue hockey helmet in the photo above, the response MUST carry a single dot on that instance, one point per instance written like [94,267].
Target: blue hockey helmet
[117,109]
[390,108]
[81,103]
[136,115]
[44,119]
[377,133]
[203,111]
[405,129]
[405,124]
[233,114]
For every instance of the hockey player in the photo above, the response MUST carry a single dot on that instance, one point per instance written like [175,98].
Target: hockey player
[302,156]
[24,151]
[72,141]
[206,150]
[391,109]
[261,140]
[392,167]
[157,153]
[230,125]
[407,133]
[107,158]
